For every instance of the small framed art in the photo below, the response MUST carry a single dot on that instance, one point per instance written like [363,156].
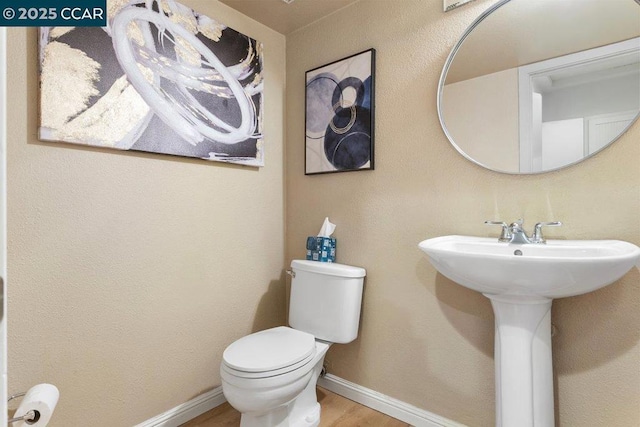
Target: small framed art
[339,115]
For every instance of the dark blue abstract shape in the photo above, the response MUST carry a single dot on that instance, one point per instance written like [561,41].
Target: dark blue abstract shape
[366,101]
[352,149]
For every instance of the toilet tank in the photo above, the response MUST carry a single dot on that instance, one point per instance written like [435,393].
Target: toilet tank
[326,299]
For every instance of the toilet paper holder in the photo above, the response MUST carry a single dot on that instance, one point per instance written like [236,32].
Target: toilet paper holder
[30,416]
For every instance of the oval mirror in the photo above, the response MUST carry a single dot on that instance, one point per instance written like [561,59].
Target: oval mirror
[534,86]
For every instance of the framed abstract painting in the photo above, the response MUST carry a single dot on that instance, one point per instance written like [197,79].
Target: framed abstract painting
[339,115]
[159,78]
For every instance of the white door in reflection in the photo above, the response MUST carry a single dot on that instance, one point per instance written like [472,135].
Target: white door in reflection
[562,143]
[575,105]
[600,130]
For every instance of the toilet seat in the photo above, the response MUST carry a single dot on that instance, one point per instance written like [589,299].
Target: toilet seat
[266,374]
[269,353]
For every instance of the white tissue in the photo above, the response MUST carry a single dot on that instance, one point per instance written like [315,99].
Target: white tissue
[42,398]
[327,228]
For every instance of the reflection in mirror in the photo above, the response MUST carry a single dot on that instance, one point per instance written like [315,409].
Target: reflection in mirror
[543,84]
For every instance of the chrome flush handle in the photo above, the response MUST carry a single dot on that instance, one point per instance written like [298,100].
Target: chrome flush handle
[291,273]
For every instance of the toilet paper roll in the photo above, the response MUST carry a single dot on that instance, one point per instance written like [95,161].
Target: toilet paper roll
[42,398]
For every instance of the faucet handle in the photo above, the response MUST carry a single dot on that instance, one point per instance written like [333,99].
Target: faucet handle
[537,230]
[505,236]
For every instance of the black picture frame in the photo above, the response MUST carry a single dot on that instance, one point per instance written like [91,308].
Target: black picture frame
[339,115]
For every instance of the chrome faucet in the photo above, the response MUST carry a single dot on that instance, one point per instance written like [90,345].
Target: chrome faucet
[514,233]
[518,235]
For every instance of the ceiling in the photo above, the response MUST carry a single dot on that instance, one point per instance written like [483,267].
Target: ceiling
[286,18]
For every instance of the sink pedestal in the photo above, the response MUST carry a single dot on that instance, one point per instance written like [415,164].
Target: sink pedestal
[524,374]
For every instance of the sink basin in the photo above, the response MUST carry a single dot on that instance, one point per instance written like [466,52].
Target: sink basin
[559,268]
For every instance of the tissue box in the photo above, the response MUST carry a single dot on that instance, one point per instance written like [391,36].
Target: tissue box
[321,249]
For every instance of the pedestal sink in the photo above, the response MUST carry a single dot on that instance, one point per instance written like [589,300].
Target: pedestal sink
[521,281]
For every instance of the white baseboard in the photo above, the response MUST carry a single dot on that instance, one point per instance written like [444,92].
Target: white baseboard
[385,404]
[187,411]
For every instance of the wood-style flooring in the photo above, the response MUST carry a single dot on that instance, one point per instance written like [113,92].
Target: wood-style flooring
[337,411]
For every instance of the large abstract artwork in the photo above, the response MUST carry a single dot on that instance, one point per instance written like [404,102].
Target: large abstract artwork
[339,115]
[158,78]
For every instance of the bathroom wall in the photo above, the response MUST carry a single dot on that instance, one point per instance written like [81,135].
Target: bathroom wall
[424,339]
[130,272]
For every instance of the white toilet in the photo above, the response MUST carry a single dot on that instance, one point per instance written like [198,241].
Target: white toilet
[270,376]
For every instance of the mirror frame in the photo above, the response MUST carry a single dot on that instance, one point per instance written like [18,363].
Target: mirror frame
[443,77]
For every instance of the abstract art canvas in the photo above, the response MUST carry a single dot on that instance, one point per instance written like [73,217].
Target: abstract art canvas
[160,78]
[339,115]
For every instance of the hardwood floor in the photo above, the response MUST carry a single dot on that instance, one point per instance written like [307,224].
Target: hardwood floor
[337,411]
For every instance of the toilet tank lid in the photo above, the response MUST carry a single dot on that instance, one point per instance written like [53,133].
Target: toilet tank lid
[328,268]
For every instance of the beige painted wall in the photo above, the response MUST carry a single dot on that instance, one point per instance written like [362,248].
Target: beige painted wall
[130,273]
[424,339]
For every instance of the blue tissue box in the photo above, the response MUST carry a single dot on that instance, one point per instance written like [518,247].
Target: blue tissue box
[322,249]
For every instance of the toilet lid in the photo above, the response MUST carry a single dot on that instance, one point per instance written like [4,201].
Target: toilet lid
[269,350]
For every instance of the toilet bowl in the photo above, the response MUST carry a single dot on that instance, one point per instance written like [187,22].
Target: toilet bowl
[270,376]
[278,393]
